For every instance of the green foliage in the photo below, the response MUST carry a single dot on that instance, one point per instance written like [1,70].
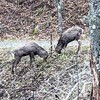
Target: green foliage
[63,56]
[36,31]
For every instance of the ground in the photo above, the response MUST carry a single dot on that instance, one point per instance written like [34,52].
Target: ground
[19,20]
[59,77]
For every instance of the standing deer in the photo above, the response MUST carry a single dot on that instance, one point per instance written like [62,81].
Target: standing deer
[31,49]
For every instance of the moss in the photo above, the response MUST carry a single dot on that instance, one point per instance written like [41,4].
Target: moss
[36,31]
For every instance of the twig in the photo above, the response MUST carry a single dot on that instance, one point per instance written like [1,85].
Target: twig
[81,73]
[83,89]
[71,91]
[8,95]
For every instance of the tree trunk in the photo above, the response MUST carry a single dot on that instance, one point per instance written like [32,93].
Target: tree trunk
[59,8]
[94,29]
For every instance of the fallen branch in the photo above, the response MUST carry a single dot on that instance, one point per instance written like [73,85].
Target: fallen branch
[71,91]
[72,66]
[83,89]
[8,98]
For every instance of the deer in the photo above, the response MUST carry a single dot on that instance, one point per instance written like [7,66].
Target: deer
[68,36]
[30,50]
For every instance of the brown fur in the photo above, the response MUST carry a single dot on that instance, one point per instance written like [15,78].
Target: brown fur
[31,49]
[68,36]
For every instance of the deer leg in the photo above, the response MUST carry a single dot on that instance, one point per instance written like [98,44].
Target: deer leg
[79,45]
[15,62]
[31,59]
[12,70]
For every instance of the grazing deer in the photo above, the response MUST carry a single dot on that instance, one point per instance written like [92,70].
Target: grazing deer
[31,49]
[68,36]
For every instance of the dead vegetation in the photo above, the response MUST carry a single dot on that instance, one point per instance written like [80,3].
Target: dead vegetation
[19,19]
[56,79]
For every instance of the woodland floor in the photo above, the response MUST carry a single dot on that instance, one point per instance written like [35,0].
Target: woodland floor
[20,19]
[57,79]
